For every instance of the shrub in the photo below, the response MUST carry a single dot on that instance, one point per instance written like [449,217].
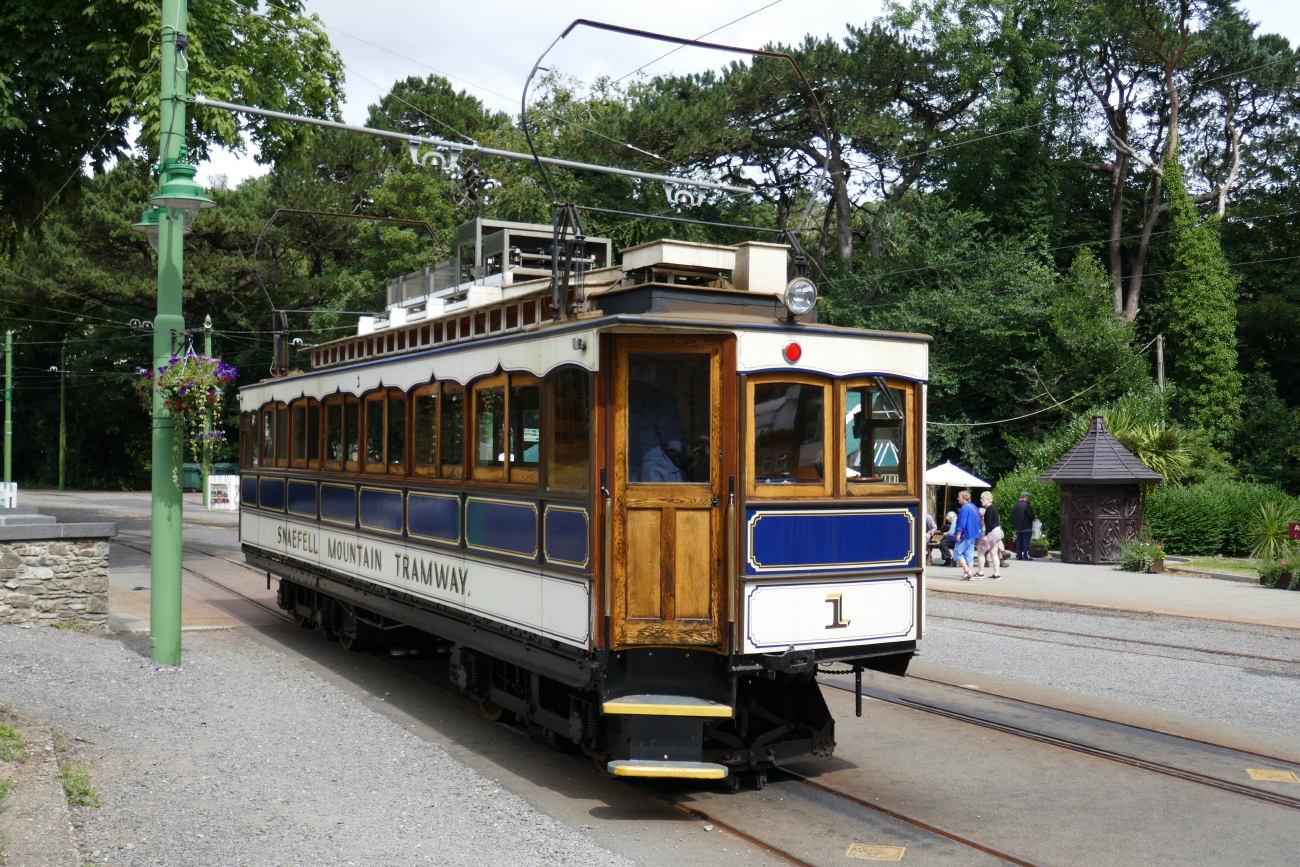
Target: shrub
[1046,500]
[1271,538]
[1137,555]
[1272,571]
[1209,518]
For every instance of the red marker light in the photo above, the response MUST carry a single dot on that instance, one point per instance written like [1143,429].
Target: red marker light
[792,352]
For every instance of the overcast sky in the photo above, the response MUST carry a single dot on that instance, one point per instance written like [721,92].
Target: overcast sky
[487,47]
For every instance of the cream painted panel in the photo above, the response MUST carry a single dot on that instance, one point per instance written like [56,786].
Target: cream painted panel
[834,355]
[549,605]
[538,357]
[799,615]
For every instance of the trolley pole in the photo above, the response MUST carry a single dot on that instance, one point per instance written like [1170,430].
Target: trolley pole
[178,200]
[9,407]
[63,411]
[207,414]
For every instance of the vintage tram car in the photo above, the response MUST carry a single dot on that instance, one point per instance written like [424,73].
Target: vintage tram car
[641,528]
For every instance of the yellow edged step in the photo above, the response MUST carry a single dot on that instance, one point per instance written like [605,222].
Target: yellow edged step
[676,770]
[666,705]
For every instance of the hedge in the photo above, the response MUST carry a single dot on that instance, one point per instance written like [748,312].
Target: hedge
[1217,517]
[1045,499]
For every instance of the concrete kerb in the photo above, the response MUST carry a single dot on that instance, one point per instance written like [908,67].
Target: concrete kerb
[36,820]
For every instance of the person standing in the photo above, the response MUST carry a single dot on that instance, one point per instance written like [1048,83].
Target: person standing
[1022,521]
[990,543]
[965,533]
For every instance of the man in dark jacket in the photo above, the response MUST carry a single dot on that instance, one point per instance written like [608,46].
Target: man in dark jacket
[1022,519]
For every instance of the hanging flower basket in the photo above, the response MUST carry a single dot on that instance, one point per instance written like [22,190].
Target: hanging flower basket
[190,385]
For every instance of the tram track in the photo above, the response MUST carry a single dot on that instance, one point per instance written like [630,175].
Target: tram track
[1093,750]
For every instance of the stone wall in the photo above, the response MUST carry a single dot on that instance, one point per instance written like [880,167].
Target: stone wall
[62,581]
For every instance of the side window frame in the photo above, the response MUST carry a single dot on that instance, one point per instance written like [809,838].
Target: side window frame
[907,461]
[831,448]
[486,473]
[433,390]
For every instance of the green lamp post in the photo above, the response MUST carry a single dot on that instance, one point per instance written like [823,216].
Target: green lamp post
[176,204]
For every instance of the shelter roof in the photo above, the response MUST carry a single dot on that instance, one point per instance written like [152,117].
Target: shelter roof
[1099,457]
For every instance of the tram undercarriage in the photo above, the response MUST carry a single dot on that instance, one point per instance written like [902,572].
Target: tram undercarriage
[773,717]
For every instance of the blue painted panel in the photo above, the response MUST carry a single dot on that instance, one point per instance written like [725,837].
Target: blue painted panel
[338,503]
[565,536]
[433,516]
[302,498]
[270,494]
[830,540]
[506,527]
[381,509]
[248,490]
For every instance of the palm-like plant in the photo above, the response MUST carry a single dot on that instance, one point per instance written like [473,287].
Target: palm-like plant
[1272,540]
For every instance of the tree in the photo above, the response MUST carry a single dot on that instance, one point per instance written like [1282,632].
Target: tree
[77,76]
[1201,297]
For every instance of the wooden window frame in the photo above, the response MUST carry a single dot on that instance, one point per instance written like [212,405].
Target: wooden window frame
[308,403]
[486,474]
[909,487]
[454,471]
[429,470]
[382,396]
[830,439]
[341,399]
[548,429]
[525,475]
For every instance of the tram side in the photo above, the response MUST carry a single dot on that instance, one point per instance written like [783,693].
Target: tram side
[644,546]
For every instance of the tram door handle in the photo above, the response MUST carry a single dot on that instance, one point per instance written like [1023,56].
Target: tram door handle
[715,502]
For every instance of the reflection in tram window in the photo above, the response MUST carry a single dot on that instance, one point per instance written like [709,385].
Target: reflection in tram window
[351,429]
[668,409]
[489,426]
[282,435]
[313,432]
[425,407]
[789,440]
[451,431]
[268,436]
[334,432]
[375,432]
[396,447]
[525,426]
[568,426]
[874,434]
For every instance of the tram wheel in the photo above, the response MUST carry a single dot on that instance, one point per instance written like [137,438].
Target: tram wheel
[602,766]
[758,781]
[731,783]
[491,710]
[302,620]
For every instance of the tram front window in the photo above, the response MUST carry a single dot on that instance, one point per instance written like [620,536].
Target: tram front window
[668,406]
[875,434]
[789,437]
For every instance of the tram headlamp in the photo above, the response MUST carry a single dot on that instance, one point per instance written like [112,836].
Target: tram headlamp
[800,296]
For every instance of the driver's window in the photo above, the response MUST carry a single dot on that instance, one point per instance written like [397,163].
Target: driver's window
[787,424]
[875,436]
[668,417]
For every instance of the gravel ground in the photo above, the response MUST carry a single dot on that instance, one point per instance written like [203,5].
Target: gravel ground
[243,757]
[1253,693]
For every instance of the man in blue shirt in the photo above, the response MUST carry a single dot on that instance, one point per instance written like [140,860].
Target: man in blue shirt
[966,532]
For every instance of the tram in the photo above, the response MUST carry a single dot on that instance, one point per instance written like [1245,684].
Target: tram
[639,526]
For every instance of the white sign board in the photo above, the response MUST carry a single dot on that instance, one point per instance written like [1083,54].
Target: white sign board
[8,495]
[223,493]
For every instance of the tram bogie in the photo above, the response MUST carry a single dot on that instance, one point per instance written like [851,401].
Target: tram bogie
[638,532]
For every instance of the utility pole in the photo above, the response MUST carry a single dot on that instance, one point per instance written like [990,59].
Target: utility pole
[9,407]
[181,199]
[63,410]
[207,414]
[1160,361]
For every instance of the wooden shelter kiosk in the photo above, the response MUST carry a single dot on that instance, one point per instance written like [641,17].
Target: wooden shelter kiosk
[1101,503]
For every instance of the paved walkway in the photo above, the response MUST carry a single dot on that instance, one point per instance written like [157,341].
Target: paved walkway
[1104,587]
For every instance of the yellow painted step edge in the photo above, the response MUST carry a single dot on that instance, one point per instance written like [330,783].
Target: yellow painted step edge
[639,709]
[676,773]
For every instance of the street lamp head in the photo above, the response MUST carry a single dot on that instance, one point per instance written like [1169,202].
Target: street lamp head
[148,225]
[179,192]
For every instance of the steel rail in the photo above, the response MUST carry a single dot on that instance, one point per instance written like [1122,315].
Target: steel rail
[1096,752]
[202,101]
[1113,638]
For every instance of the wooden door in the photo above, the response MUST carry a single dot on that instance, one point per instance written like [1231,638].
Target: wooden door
[668,491]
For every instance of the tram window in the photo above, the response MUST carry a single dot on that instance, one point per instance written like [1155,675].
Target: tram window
[788,428]
[395,450]
[334,432]
[248,439]
[375,432]
[351,430]
[451,431]
[313,433]
[875,436]
[424,446]
[489,429]
[525,431]
[568,430]
[268,436]
[668,406]
[281,435]
[298,419]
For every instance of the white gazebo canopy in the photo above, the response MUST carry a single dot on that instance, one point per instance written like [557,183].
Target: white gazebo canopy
[949,474]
